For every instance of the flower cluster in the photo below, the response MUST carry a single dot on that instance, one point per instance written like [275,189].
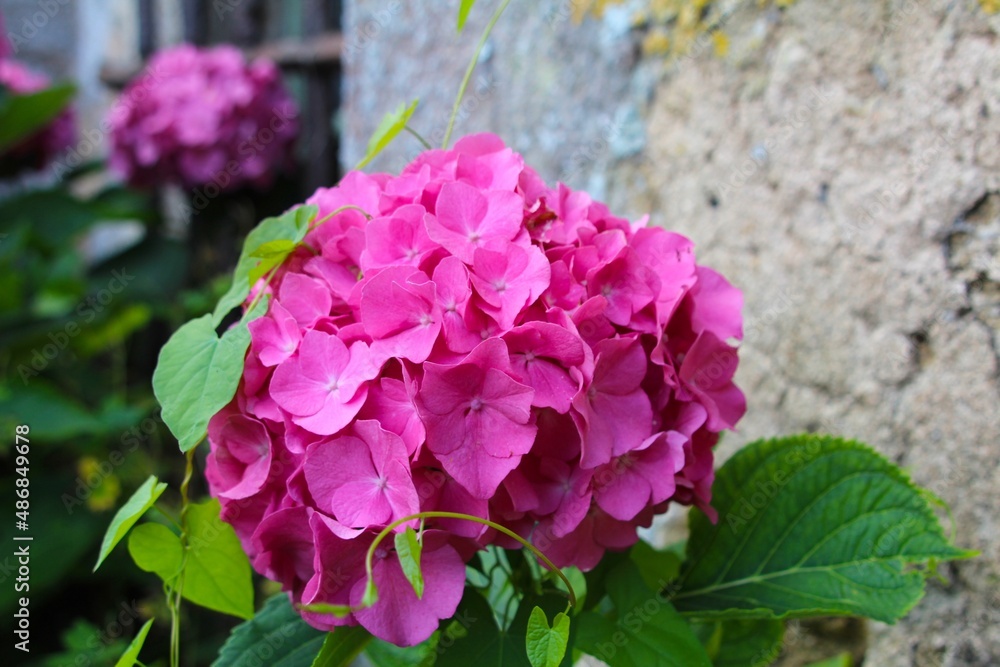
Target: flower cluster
[200,116]
[39,149]
[483,344]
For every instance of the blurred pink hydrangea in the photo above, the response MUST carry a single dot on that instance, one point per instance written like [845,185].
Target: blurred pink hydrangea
[200,116]
[484,344]
[39,149]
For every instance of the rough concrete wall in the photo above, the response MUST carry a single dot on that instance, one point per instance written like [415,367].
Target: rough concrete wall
[841,165]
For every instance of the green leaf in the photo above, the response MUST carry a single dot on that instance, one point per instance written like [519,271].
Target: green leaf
[645,629]
[546,646]
[291,227]
[275,636]
[739,643]
[22,115]
[463,13]
[338,610]
[842,660]
[408,549]
[371,594]
[131,654]
[155,548]
[391,125]
[197,375]
[342,646]
[658,568]
[811,525]
[216,572]
[383,654]
[130,512]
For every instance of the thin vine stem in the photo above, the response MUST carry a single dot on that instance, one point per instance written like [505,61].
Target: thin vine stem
[174,598]
[369,564]
[470,69]
[426,144]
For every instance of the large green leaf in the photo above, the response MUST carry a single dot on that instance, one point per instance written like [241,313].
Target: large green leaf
[390,126]
[291,226]
[155,548]
[811,525]
[22,115]
[342,646]
[216,572]
[130,512]
[131,655]
[644,631]
[197,375]
[275,636]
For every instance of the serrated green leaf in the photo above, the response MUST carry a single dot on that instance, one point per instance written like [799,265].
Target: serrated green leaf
[216,572]
[810,525]
[291,226]
[130,512]
[23,115]
[463,13]
[342,646]
[546,646]
[131,654]
[196,375]
[276,636]
[644,630]
[390,126]
[155,548]
[408,550]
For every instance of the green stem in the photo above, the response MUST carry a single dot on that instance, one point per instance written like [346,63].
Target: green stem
[486,522]
[426,144]
[345,207]
[174,600]
[470,69]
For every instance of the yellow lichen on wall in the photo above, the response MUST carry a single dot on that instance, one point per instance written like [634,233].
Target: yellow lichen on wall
[672,27]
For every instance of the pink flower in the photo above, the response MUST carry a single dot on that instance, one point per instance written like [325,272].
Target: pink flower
[323,387]
[364,479]
[478,417]
[484,345]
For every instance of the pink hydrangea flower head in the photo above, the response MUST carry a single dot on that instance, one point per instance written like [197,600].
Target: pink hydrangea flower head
[39,149]
[475,342]
[203,118]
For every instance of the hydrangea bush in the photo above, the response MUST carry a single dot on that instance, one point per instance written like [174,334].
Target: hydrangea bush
[201,115]
[463,337]
[437,372]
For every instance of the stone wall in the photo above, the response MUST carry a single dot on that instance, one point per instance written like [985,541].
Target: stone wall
[841,164]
